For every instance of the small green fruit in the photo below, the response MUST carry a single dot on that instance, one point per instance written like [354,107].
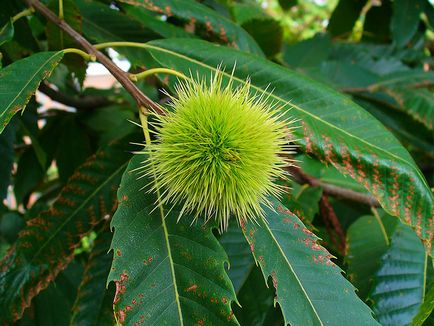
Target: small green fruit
[219,151]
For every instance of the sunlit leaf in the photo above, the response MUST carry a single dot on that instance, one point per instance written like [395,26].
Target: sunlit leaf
[19,81]
[331,127]
[310,288]
[165,272]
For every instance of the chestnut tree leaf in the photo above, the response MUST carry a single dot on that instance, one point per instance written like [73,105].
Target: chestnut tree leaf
[368,239]
[240,258]
[199,18]
[310,288]
[46,245]
[166,272]
[399,284]
[7,32]
[330,126]
[20,80]
[93,304]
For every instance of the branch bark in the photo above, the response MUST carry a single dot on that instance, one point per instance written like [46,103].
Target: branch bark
[85,103]
[331,190]
[333,224]
[121,76]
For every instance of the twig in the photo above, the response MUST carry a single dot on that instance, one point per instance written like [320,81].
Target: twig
[121,76]
[150,72]
[378,87]
[24,13]
[332,190]
[61,9]
[85,103]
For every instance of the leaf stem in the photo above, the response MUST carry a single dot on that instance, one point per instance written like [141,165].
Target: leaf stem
[380,223]
[86,56]
[425,270]
[105,45]
[144,122]
[24,13]
[121,76]
[150,72]
[143,114]
[61,16]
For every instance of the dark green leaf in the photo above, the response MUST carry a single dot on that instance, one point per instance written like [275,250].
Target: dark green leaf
[46,245]
[93,305]
[10,224]
[22,32]
[367,240]
[244,12]
[40,153]
[6,32]
[344,17]
[29,175]
[303,201]
[333,128]
[400,282]
[377,23]
[418,103]
[256,300]
[309,52]
[165,272]
[429,12]
[407,130]
[327,174]
[52,307]
[343,75]
[104,24]
[73,148]
[58,40]
[19,81]
[405,20]
[154,23]
[377,58]
[205,20]
[267,32]
[426,308]
[7,139]
[241,262]
[110,122]
[310,288]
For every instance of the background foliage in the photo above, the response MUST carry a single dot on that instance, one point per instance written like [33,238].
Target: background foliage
[80,240]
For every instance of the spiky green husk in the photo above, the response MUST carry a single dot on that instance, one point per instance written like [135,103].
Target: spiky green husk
[219,151]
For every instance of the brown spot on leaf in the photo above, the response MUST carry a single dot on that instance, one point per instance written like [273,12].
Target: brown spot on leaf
[274,278]
[191,288]
[120,288]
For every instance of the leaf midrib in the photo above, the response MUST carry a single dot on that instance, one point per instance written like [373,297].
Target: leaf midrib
[267,227]
[80,207]
[292,104]
[166,239]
